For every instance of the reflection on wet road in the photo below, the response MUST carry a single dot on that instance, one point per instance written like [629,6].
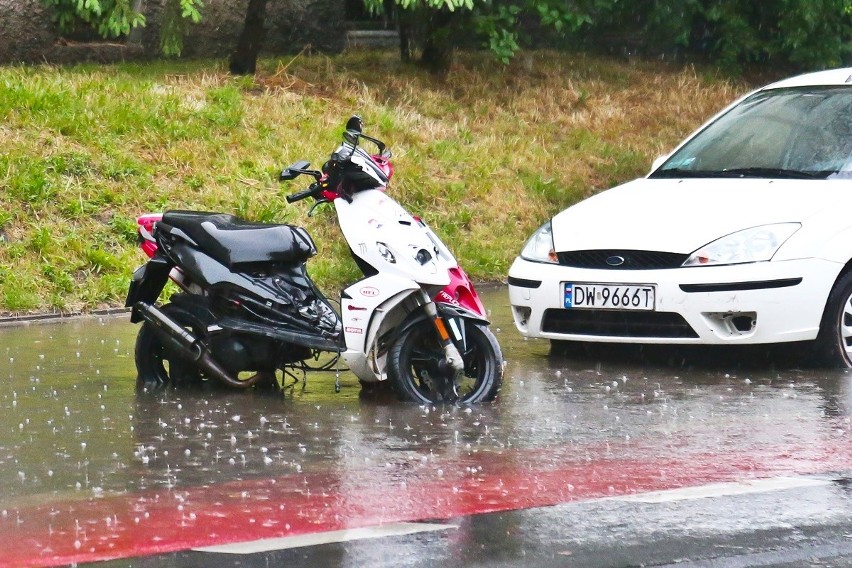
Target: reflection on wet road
[92,470]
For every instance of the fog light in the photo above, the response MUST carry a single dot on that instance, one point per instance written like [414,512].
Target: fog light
[522,315]
[727,324]
[744,323]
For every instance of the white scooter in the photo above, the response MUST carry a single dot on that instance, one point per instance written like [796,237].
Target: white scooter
[248,308]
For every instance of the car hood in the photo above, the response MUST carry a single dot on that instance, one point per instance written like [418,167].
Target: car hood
[671,215]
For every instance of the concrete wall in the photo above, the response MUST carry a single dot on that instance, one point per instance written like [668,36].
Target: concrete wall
[26,30]
[27,33]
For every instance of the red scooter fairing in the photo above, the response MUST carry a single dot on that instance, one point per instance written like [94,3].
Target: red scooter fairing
[460,292]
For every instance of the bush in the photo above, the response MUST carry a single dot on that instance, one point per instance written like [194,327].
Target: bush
[800,33]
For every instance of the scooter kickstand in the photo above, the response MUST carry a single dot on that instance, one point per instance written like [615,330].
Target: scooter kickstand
[337,374]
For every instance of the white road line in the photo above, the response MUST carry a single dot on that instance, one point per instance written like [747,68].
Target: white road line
[329,537]
[742,487]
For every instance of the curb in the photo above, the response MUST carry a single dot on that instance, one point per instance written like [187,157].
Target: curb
[35,319]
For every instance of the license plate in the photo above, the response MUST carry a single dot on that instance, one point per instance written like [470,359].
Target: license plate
[609,296]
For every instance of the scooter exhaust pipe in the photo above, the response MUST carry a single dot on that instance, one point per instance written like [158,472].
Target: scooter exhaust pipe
[188,346]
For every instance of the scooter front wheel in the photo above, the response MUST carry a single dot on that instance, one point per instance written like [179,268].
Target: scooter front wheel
[418,372]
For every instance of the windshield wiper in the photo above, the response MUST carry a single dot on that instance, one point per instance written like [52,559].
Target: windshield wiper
[768,173]
[681,173]
[738,173]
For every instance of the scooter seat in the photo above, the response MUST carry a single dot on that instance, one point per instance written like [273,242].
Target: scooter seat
[238,243]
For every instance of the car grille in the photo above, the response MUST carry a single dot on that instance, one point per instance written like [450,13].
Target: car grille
[615,323]
[633,259]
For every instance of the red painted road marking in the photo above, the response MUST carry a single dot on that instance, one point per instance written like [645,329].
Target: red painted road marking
[171,520]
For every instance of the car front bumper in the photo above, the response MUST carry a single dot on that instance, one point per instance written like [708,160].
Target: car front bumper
[762,302]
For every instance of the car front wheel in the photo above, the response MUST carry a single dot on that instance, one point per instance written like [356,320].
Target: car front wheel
[834,342]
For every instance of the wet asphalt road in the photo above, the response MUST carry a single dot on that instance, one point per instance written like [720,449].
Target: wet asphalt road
[601,458]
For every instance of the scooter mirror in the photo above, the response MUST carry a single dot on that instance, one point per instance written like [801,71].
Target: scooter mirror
[355,124]
[351,136]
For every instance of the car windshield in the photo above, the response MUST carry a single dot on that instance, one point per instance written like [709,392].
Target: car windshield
[799,133]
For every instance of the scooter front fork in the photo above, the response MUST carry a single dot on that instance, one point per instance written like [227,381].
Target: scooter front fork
[454,360]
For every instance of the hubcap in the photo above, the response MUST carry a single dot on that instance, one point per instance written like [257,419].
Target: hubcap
[845,330]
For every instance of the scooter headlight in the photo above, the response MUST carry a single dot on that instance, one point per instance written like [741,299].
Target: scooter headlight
[386,252]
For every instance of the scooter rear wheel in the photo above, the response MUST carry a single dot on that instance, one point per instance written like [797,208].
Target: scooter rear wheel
[159,366]
[416,369]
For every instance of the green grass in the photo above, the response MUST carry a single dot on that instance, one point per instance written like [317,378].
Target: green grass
[485,155]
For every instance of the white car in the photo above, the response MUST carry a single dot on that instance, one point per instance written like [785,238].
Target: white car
[742,235]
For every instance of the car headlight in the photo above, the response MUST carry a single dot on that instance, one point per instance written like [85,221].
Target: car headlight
[540,246]
[749,245]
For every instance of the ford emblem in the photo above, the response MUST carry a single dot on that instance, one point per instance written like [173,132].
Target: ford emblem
[615,260]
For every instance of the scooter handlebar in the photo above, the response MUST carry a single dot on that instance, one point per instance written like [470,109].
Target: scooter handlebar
[300,195]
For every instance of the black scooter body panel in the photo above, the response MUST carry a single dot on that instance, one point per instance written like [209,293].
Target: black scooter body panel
[209,272]
[146,284]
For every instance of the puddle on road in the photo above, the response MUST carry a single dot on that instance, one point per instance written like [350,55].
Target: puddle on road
[72,424]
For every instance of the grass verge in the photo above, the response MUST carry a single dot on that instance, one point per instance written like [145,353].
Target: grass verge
[484,155]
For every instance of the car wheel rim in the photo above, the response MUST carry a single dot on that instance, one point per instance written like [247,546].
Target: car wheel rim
[845,331]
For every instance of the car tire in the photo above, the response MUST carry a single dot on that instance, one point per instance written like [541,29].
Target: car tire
[833,345]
